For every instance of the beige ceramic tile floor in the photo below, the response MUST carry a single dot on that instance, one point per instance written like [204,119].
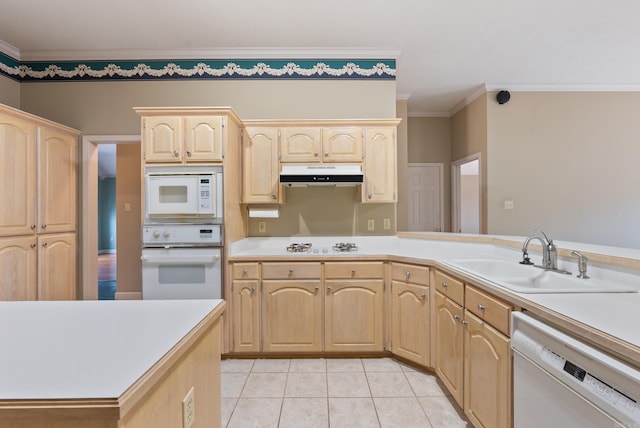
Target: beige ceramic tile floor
[350,393]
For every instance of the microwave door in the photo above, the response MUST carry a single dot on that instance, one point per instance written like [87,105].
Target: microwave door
[172,195]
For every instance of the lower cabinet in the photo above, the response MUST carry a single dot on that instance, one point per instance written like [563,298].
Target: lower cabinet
[449,338]
[38,267]
[354,315]
[291,316]
[245,307]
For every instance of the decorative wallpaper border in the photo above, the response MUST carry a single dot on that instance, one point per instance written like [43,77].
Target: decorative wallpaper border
[196,69]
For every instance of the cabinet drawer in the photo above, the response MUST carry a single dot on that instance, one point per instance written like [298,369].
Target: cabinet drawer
[449,286]
[354,270]
[246,271]
[291,270]
[410,273]
[488,308]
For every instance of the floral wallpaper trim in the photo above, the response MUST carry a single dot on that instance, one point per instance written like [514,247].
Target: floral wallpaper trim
[197,69]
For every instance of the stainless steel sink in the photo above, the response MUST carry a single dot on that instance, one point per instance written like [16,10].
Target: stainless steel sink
[530,279]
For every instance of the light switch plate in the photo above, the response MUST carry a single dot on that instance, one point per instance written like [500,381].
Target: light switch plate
[188,410]
[371,224]
[508,205]
[386,225]
[262,227]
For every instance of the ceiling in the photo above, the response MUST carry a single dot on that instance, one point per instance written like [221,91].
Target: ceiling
[446,51]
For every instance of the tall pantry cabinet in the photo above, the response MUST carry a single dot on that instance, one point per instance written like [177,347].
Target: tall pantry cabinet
[38,161]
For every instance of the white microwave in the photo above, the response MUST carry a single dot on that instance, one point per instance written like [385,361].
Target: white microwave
[183,194]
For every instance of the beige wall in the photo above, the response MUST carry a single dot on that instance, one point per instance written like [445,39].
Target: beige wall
[9,92]
[128,237]
[469,136]
[402,207]
[569,161]
[430,142]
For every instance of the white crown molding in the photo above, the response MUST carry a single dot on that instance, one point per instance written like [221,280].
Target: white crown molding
[564,87]
[231,53]
[468,100]
[10,50]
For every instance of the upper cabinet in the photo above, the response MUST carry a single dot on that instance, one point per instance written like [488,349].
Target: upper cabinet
[380,165]
[260,167]
[182,139]
[320,144]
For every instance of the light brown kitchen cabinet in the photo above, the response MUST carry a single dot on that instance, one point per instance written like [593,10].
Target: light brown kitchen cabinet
[57,266]
[487,375]
[354,307]
[182,139]
[449,356]
[380,166]
[410,312]
[321,144]
[245,307]
[261,173]
[38,173]
[18,257]
[292,303]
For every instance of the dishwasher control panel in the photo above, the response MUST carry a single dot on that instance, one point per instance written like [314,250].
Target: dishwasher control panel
[600,388]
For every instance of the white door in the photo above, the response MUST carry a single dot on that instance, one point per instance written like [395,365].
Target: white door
[425,197]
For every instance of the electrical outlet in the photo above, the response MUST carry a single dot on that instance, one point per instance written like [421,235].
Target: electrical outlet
[371,224]
[188,410]
[386,225]
[508,205]
[262,227]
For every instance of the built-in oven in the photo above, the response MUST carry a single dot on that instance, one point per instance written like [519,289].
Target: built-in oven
[182,261]
[190,194]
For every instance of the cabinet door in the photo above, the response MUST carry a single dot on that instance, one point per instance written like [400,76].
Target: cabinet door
[353,315]
[18,268]
[260,166]
[203,138]
[162,138]
[17,176]
[487,375]
[380,169]
[449,360]
[299,144]
[57,182]
[291,316]
[410,322]
[245,304]
[57,266]
[342,145]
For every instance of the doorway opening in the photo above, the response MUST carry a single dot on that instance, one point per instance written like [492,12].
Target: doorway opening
[466,185]
[107,222]
[91,246]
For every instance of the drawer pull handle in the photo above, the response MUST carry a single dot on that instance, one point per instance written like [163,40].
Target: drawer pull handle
[481,307]
[463,322]
[445,285]
[244,271]
[408,274]
[290,270]
[353,271]
[456,317]
[423,296]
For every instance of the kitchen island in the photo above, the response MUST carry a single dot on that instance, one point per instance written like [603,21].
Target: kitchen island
[109,363]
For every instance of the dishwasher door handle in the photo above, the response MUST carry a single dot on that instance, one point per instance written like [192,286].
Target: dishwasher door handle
[182,260]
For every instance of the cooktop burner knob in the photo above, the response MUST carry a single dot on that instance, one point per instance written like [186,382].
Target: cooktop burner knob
[166,233]
[156,234]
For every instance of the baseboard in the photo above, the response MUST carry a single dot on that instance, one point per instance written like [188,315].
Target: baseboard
[112,251]
[128,295]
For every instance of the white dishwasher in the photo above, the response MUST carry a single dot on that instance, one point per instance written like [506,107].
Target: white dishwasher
[559,381]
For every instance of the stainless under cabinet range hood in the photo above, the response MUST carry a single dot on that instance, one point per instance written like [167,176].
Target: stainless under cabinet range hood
[320,175]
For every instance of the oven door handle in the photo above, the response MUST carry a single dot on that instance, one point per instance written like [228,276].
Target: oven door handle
[186,260]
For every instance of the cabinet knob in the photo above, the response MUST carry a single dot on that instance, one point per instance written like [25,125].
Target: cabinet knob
[315,155]
[244,271]
[253,290]
[326,154]
[445,285]
[408,274]
[290,270]
[44,244]
[481,307]
[464,322]
[43,226]
[423,296]
[317,289]
[456,317]
[175,153]
[353,271]
[369,195]
[273,196]
[33,245]
[33,226]
[328,290]
[189,153]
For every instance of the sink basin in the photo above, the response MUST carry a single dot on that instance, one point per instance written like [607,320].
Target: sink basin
[530,279]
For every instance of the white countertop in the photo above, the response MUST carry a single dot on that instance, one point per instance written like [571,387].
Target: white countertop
[88,349]
[614,314]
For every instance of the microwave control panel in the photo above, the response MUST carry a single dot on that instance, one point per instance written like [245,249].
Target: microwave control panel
[207,187]
[176,235]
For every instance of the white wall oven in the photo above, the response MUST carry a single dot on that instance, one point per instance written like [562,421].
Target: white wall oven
[182,261]
[191,194]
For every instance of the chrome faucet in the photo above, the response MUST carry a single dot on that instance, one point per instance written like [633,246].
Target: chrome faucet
[549,252]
